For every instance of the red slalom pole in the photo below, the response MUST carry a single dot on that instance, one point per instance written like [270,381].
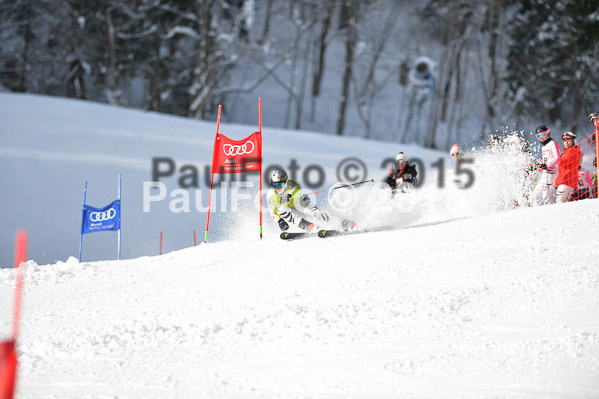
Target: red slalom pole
[194,238]
[260,176]
[596,153]
[20,256]
[8,369]
[8,349]
[161,243]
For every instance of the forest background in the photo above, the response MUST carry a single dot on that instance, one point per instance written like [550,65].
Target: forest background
[337,66]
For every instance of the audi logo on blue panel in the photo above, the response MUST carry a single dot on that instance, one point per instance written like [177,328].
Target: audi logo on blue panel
[102,216]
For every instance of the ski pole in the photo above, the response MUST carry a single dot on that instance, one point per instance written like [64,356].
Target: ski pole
[334,188]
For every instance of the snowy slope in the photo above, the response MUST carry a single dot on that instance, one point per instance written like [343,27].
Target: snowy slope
[462,299]
[497,306]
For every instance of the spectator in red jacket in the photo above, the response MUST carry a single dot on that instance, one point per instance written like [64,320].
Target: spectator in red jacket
[569,163]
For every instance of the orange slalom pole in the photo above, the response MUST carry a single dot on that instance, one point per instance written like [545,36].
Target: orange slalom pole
[212,178]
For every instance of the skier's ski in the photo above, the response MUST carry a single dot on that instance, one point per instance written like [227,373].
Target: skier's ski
[294,235]
[333,233]
[329,233]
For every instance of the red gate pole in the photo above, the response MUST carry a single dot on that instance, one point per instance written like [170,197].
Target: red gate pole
[20,255]
[596,157]
[260,184]
[212,178]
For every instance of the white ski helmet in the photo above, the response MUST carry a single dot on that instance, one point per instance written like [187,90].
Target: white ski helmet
[456,149]
[278,179]
[400,157]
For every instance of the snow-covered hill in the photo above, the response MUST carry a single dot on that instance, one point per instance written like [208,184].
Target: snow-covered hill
[497,306]
[462,299]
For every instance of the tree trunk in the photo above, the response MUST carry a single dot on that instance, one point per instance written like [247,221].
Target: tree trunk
[445,96]
[457,96]
[28,37]
[266,21]
[300,98]
[321,43]
[203,81]
[112,89]
[350,45]
[322,46]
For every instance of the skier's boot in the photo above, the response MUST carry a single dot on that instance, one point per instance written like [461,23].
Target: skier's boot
[308,227]
[349,225]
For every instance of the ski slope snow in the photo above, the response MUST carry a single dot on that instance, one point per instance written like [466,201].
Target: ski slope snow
[461,299]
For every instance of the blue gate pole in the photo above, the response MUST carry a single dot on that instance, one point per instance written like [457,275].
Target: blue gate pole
[82,221]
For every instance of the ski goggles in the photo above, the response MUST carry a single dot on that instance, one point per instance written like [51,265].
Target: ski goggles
[278,184]
[455,154]
[542,135]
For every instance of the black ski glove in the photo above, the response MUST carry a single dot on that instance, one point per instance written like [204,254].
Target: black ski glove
[305,201]
[285,198]
[283,225]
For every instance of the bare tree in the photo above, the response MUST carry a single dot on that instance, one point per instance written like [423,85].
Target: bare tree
[211,64]
[325,24]
[369,88]
[267,18]
[350,11]
[458,32]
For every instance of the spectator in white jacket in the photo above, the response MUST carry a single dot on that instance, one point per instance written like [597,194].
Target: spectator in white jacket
[544,190]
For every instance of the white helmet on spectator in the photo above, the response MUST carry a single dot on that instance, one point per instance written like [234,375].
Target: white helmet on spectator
[401,157]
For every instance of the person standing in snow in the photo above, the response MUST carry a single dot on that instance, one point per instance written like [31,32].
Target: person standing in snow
[569,164]
[287,204]
[404,178]
[544,191]
[422,82]
[421,86]
[456,153]
[585,185]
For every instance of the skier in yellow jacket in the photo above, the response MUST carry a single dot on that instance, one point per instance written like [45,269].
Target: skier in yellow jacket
[287,204]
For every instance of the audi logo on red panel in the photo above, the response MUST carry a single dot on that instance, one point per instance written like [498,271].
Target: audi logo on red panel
[232,150]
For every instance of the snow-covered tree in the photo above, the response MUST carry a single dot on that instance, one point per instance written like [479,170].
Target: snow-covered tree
[553,58]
